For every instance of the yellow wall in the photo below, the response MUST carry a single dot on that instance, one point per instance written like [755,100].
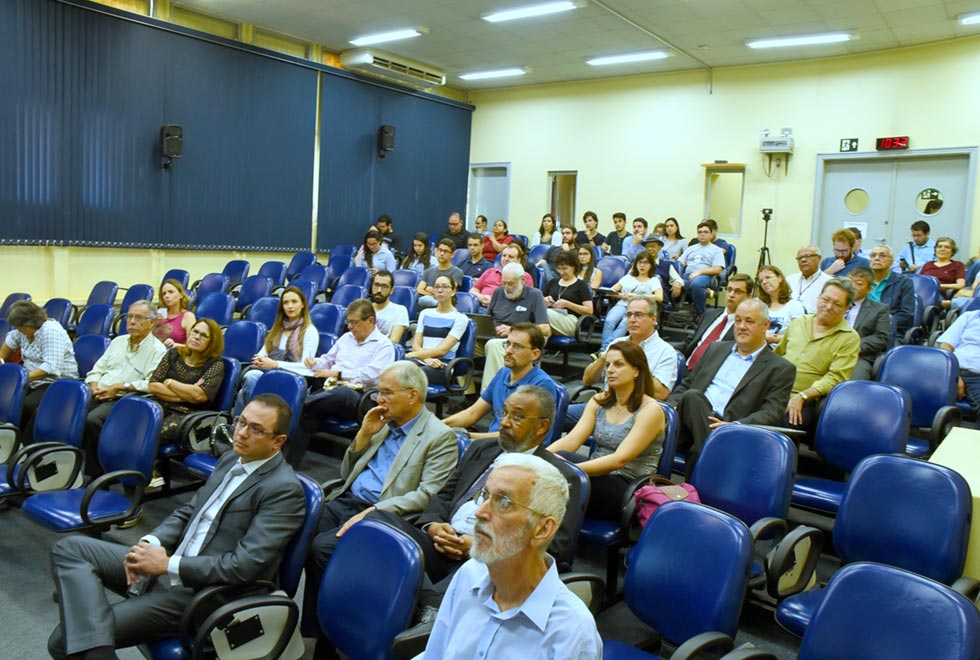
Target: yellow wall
[638,142]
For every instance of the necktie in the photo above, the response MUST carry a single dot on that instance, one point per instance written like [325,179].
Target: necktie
[237,470]
[711,338]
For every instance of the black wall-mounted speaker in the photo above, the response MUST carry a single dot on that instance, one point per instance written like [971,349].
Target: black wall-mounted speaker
[172,140]
[386,138]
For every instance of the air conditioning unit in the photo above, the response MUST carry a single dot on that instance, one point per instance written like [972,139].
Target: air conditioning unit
[380,64]
[776,145]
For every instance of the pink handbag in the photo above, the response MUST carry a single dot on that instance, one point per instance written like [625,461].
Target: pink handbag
[660,490]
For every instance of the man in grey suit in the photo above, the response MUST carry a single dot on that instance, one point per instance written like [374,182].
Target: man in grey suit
[402,456]
[734,382]
[233,531]
[870,320]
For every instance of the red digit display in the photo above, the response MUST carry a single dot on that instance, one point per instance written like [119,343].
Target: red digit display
[889,143]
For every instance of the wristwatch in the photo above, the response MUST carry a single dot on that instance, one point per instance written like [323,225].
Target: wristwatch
[803,395]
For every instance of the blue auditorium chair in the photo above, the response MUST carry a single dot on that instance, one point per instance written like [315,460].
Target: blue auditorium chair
[408,298]
[135,293]
[264,311]
[343,250]
[319,275]
[356,275]
[10,300]
[406,277]
[327,340]
[308,288]
[897,511]
[347,294]
[236,270]
[253,288]
[460,255]
[328,317]
[88,349]
[61,310]
[210,283]
[467,303]
[95,320]
[243,339]
[127,446]
[220,307]
[687,578]
[461,366]
[336,268]
[275,271]
[299,261]
[178,274]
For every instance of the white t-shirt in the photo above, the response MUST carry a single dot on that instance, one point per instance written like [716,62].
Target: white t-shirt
[392,315]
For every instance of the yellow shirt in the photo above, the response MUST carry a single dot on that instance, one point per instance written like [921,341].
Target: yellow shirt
[821,362]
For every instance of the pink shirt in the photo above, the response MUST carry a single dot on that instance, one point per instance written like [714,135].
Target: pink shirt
[493,278]
[166,328]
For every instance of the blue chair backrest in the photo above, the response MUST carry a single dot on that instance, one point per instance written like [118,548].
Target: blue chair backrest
[317,274]
[406,277]
[328,317]
[862,418]
[706,587]
[926,289]
[876,612]
[343,250]
[360,608]
[253,288]
[729,255]
[237,271]
[347,294]
[585,491]
[88,349]
[243,339]
[291,387]
[10,300]
[59,309]
[291,567]
[908,513]
[971,273]
[409,298]
[466,283]
[178,274]
[561,407]
[264,311]
[467,346]
[749,472]
[612,269]
[129,437]
[95,320]
[537,253]
[275,271]
[4,328]
[299,261]
[928,374]
[217,306]
[103,293]
[13,380]
[61,415]
[229,385]
[669,450]
[467,303]
[309,289]
[523,239]
[135,293]
[460,255]
[212,283]
[337,266]
[357,275]
[327,340]
[681,368]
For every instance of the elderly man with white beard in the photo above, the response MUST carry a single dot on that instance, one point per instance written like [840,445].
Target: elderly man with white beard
[512,302]
[508,599]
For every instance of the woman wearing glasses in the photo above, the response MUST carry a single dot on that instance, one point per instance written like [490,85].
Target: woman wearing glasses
[438,333]
[188,377]
[642,280]
[291,340]
[774,291]
[627,425]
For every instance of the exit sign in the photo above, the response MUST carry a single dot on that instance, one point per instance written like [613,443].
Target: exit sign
[849,144]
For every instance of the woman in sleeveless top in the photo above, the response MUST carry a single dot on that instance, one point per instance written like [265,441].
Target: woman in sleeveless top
[438,333]
[627,425]
[174,320]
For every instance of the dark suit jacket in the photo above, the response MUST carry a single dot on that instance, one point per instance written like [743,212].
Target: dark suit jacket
[247,538]
[899,295]
[875,328]
[707,319]
[760,397]
[475,462]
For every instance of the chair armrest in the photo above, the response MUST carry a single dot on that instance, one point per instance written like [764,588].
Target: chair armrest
[586,388]
[224,617]
[587,586]
[330,485]
[946,418]
[9,447]
[204,596]
[235,290]
[784,558]
[911,335]
[106,479]
[411,643]
[194,285]
[767,528]
[793,434]
[31,455]
[699,643]
[449,370]
[967,586]
[586,324]
[745,654]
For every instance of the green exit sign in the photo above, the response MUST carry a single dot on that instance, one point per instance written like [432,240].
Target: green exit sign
[849,144]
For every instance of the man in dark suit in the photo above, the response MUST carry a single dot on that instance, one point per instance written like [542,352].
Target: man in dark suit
[892,289]
[445,529]
[718,324]
[734,382]
[870,320]
[233,531]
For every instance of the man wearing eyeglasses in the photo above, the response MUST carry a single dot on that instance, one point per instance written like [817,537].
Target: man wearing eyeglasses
[125,367]
[806,285]
[400,457]
[824,349]
[718,324]
[891,288]
[392,317]
[508,601]
[232,532]
[845,257]
[444,267]
[455,233]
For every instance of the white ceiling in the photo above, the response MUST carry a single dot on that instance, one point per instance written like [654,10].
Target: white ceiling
[701,33]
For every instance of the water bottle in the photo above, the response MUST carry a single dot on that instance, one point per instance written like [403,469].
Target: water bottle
[142,582]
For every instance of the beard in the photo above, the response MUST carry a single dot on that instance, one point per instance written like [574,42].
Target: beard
[516,294]
[500,548]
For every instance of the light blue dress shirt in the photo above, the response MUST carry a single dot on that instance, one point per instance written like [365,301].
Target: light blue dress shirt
[370,482]
[964,337]
[730,374]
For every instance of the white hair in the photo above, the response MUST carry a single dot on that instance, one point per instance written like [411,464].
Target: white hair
[409,376]
[549,494]
[513,268]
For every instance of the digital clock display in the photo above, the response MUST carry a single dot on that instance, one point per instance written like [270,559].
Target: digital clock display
[889,143]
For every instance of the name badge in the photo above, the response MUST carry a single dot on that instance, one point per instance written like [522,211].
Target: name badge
[521,308]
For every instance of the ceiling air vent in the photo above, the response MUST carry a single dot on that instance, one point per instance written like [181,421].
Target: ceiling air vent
[391,67]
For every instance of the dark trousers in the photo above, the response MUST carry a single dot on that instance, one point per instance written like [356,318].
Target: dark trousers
[608,491]
[83,568]
[693,410]
[863,369]
[32,400]
[98,411]
[339,402]
[809,420]
[335,513]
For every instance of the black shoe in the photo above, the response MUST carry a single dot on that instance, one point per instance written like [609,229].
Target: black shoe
[325,650]
[426,614]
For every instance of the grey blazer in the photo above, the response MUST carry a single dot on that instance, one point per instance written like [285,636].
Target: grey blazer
[421,468]
[875,327]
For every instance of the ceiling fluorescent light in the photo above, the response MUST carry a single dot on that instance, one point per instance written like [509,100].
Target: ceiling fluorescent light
[393,35]
[533,10]
[802,40]
[628,58]
[969,19]
[496,73]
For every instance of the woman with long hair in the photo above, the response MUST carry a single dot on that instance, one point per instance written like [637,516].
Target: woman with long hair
[420,256]
[496,241]
[374,254]
[291,340]
[589,272]
[189,376]
[439,331]
[548,233]
[674,242]
[627,425]
[174,319]
[642,280]
[773,289]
